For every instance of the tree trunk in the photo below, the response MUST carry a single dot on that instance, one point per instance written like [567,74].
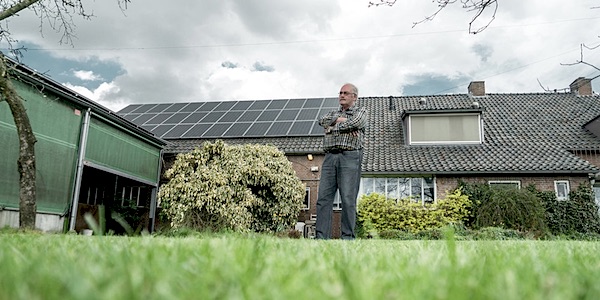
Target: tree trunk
[26,161]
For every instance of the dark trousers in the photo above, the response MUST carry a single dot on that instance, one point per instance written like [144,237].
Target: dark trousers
[340,172]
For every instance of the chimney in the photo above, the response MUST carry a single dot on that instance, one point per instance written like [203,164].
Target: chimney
[581,86]
[477,88]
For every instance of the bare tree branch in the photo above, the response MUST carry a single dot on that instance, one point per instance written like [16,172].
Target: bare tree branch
[478,6]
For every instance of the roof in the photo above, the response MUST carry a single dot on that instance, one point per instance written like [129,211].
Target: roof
[25,73]
[534,133]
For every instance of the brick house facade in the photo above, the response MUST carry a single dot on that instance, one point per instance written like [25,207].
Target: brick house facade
[419,146]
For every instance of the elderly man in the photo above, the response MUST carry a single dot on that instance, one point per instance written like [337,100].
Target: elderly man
[343,143]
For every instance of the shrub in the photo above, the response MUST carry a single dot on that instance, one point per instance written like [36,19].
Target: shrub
[518,209]
[380,214]
[578,215]
[239,187]
[497,233]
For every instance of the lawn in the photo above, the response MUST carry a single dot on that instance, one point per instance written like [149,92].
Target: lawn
[53,266]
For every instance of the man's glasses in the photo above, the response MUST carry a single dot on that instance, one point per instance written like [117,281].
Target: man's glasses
[346,93]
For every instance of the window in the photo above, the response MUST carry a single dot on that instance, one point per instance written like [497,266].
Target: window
[464,128]
[135,195]
[306,204]
[93,195]
[337,201]
[561,187]
[505,184]
[418,189]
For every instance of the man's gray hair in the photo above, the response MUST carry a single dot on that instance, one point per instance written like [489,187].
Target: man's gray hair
[354,88]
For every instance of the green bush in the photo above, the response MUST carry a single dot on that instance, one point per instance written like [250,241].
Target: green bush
[497,233]
[378,214]
[517,209]
[578,215]
[240,188]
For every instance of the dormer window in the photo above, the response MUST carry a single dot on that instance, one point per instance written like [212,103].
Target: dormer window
[444,127]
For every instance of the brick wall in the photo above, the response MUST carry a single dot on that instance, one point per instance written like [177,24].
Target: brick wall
[444,184]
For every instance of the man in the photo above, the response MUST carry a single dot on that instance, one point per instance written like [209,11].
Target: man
[343,143]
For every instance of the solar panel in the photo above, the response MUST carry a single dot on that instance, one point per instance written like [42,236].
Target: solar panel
[192,107]
[313,103]
[317,130]
[279,128]
[208,106]
[176,118]
[277,104]
[175,107]
[141,119]
[331,102]
[232,119]
[295,103]
[197,130]
[237,129]
[212,117]
[194,117]
[231,116]
[159,119]
[287,115]
[242,105]
[268,115]
[301,127]
[225,106]
[160,107]
[144,108]
[259,105]
[258,129]
[177,131]
[308,114]
[160,130]
[250,116]
[130,117]
[217,130]
[129,108]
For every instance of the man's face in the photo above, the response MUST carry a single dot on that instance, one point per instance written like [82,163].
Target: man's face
[347,96]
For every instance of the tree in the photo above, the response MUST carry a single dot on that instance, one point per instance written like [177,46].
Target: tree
[58,15]
[476,6]
[238,187]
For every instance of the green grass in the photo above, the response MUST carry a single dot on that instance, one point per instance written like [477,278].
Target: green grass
[41,266]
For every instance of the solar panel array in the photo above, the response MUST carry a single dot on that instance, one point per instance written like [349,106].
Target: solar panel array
[231,119]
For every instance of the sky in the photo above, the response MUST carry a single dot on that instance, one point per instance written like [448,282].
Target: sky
[160,51]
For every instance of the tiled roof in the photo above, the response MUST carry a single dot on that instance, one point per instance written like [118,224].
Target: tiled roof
[523,133]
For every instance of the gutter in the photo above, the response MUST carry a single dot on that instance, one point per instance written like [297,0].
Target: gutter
[85,126]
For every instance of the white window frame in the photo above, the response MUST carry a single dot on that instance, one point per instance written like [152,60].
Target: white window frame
[307,198]
[505,182]
[337,201]
[411,134]
[405,182]
[132,193]
[567,189]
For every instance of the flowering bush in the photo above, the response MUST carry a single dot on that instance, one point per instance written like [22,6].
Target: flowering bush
[237,187]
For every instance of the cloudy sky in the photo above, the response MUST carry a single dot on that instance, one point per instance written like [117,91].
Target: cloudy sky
[189,50]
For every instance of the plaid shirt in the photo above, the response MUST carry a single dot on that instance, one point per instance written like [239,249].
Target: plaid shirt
[341,135]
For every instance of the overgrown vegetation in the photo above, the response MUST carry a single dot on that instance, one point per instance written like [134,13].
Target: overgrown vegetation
[238,187]
[476,211]
[376,213]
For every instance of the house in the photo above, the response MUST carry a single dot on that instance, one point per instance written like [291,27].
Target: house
[417,146]
[86,155]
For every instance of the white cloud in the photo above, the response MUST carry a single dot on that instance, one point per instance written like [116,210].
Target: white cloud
[309,48]
[86,75]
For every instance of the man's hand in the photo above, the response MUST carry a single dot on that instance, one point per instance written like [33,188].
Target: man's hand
[340,120]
